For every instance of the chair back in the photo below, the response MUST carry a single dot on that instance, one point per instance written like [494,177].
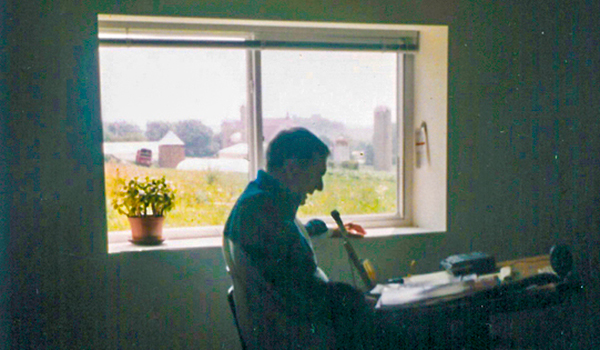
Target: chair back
[234,313]
[261,321]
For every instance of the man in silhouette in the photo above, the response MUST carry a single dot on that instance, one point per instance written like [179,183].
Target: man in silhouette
[264,227]
[302,304]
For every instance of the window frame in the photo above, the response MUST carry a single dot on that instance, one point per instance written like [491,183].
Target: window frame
[255,36]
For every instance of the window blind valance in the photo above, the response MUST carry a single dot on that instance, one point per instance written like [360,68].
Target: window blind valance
[245,34]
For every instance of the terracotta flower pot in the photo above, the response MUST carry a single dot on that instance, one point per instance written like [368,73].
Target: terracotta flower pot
[146,230]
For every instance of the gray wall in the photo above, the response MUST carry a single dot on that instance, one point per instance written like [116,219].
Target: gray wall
[523,159]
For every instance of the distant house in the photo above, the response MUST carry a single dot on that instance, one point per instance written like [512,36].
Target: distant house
[234,131]
[127,151]
[271,127]
[341,150]
[171,151]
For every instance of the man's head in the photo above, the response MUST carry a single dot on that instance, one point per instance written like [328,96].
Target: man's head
[298,158]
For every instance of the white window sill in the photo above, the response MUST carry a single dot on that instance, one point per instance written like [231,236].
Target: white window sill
[179,239]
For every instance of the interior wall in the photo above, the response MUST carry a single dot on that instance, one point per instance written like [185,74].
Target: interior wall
[53,193]
[170,300]
[523,136]
[523,154]
[429,199]
[5,277]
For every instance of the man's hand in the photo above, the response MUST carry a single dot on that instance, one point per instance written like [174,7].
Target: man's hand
[354,231]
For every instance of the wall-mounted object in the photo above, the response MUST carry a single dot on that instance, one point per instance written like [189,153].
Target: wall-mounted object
[421,145]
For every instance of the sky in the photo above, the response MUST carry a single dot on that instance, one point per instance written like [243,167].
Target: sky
[171,84]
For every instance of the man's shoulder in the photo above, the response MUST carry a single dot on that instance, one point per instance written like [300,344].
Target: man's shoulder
[252,204]
[254,196]
[252,207]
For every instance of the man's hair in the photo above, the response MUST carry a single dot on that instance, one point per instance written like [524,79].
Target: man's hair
[294,143]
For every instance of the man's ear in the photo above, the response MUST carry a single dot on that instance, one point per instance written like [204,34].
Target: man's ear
[291,167]
[290,174]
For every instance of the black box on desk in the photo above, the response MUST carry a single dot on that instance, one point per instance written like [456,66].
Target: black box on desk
[465,264]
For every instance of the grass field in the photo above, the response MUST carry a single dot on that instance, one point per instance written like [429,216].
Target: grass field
[206,197]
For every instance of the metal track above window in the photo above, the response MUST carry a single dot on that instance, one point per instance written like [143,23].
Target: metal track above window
[245,34]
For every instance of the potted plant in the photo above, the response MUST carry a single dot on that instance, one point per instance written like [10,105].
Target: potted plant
[145,201]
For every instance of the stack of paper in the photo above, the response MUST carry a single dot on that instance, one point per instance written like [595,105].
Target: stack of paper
[430,288]
[399,295]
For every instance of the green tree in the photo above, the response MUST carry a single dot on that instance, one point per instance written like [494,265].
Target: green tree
[217,141]
[198,138]
[157,130]
[121,131]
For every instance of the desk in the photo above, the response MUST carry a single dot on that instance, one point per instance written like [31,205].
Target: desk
[461,318]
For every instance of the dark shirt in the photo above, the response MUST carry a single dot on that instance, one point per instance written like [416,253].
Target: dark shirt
[262,224]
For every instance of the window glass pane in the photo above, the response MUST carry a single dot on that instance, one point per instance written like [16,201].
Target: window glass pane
[181,110]
[348,99]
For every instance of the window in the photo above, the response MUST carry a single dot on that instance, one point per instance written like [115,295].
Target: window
[202,98]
